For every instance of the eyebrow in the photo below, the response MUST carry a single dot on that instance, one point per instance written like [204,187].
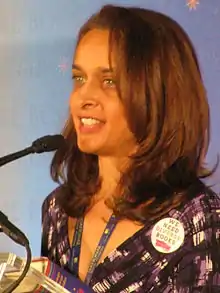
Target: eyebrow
[100,68]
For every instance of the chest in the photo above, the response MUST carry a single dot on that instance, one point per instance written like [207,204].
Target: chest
[93,228]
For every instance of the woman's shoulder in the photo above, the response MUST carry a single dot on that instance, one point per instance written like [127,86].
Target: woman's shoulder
[188,239]
[196,222]
[54,227]
[51,207]
[202,209]
[201,249]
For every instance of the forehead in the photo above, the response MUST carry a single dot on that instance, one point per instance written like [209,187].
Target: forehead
[93,50]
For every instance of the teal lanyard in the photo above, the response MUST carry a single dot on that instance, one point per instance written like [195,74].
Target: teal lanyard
[76,246]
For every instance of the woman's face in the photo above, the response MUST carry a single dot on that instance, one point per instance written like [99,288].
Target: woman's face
[97,112]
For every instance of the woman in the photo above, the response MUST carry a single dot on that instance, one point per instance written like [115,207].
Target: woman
[136,137]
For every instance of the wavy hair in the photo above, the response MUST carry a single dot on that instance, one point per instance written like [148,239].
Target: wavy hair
[160,85]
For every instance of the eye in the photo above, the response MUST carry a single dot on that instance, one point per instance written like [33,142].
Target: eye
[79,79]
[109,82]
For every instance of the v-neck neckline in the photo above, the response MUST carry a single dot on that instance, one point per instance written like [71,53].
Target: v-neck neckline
[119,247]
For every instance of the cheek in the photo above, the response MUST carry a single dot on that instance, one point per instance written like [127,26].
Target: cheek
[72,102]
[118,116]
[119,122]
[71,99]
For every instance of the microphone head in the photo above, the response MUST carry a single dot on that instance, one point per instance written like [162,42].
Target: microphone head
[48,143]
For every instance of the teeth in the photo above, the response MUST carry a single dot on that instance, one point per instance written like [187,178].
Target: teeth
[89,121]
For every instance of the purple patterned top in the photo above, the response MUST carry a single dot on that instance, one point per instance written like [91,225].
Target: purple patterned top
[136,266]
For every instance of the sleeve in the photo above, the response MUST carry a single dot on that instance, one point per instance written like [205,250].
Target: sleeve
[48,230]
[198,265]
[45,224]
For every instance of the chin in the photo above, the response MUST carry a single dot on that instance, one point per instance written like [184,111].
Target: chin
[88,149]
[94,150]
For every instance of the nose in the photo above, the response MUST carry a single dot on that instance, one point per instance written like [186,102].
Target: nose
[89,95]
[89,104]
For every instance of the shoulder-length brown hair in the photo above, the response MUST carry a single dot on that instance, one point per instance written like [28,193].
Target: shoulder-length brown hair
[160,85]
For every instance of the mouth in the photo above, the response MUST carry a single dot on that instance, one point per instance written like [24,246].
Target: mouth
[89,121]
[90,124]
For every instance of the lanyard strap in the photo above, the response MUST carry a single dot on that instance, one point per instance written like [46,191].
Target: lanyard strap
[76,245]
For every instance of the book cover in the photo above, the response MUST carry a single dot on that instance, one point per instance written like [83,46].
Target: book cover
[46,276]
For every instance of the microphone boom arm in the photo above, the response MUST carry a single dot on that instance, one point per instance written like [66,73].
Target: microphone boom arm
[12,157]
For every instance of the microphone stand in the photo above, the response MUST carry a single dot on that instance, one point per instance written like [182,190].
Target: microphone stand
[19,237]
[44,144]
[15,284]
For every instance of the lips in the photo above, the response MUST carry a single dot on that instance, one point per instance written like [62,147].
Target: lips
[90,125]
[90,119]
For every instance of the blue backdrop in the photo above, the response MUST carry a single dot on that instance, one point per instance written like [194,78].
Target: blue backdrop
[36,45]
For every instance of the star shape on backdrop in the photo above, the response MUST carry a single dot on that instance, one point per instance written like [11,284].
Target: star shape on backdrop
[64,64]
[192,4]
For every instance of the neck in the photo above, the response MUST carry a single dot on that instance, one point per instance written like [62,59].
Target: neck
[110,170]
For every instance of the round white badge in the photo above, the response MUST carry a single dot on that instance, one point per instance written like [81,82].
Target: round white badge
[167,235]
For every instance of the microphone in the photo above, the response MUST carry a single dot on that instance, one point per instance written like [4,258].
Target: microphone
[12,231]
[46,143]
